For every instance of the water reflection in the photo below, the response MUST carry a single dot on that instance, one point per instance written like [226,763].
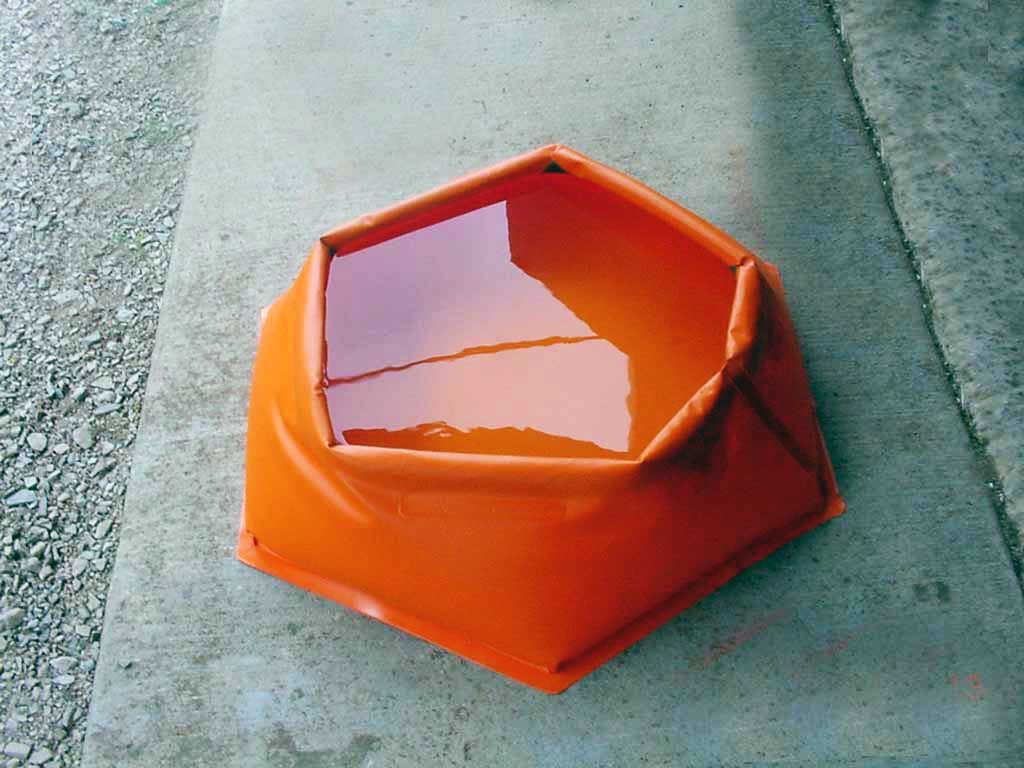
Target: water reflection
[556,321]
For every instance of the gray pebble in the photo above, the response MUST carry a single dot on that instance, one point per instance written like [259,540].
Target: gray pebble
[83,436]
[37,442]
[66,297]
[79,566]
[113,25]
[40,756]
[63,664]
[17,749]
[21,498]
[12,618]
[102,468]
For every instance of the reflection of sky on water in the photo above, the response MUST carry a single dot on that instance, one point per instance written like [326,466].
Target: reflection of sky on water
[448,288]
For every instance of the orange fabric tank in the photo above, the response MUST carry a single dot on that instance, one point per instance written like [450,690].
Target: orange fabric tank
[529,417]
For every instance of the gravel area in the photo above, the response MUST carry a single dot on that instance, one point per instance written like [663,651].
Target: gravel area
[98,102]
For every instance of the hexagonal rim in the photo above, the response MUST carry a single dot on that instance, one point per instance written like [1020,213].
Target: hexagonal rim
[413,463]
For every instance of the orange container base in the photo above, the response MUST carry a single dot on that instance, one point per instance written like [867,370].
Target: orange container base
[252,553]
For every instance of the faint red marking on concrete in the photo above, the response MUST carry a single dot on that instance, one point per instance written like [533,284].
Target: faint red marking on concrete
[969,685]
[833,649]
[829,651]
[933,654]
[736,639]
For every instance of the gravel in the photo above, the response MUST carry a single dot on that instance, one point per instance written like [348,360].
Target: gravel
[98,103]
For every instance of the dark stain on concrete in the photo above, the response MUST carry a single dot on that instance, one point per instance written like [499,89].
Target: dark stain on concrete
[358,750]
[282,746]
[926,592]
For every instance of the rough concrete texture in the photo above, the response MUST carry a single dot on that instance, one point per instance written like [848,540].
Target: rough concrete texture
[940,81]
[890,636]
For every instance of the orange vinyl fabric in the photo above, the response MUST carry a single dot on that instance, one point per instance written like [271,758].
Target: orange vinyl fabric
[529,417]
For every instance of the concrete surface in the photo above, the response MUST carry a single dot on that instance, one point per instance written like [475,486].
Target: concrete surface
[940,81]
[891,636]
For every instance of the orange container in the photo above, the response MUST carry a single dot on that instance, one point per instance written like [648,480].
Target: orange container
[529,416]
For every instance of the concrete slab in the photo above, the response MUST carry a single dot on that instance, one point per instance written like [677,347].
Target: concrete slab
[940,82]
[890,636]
